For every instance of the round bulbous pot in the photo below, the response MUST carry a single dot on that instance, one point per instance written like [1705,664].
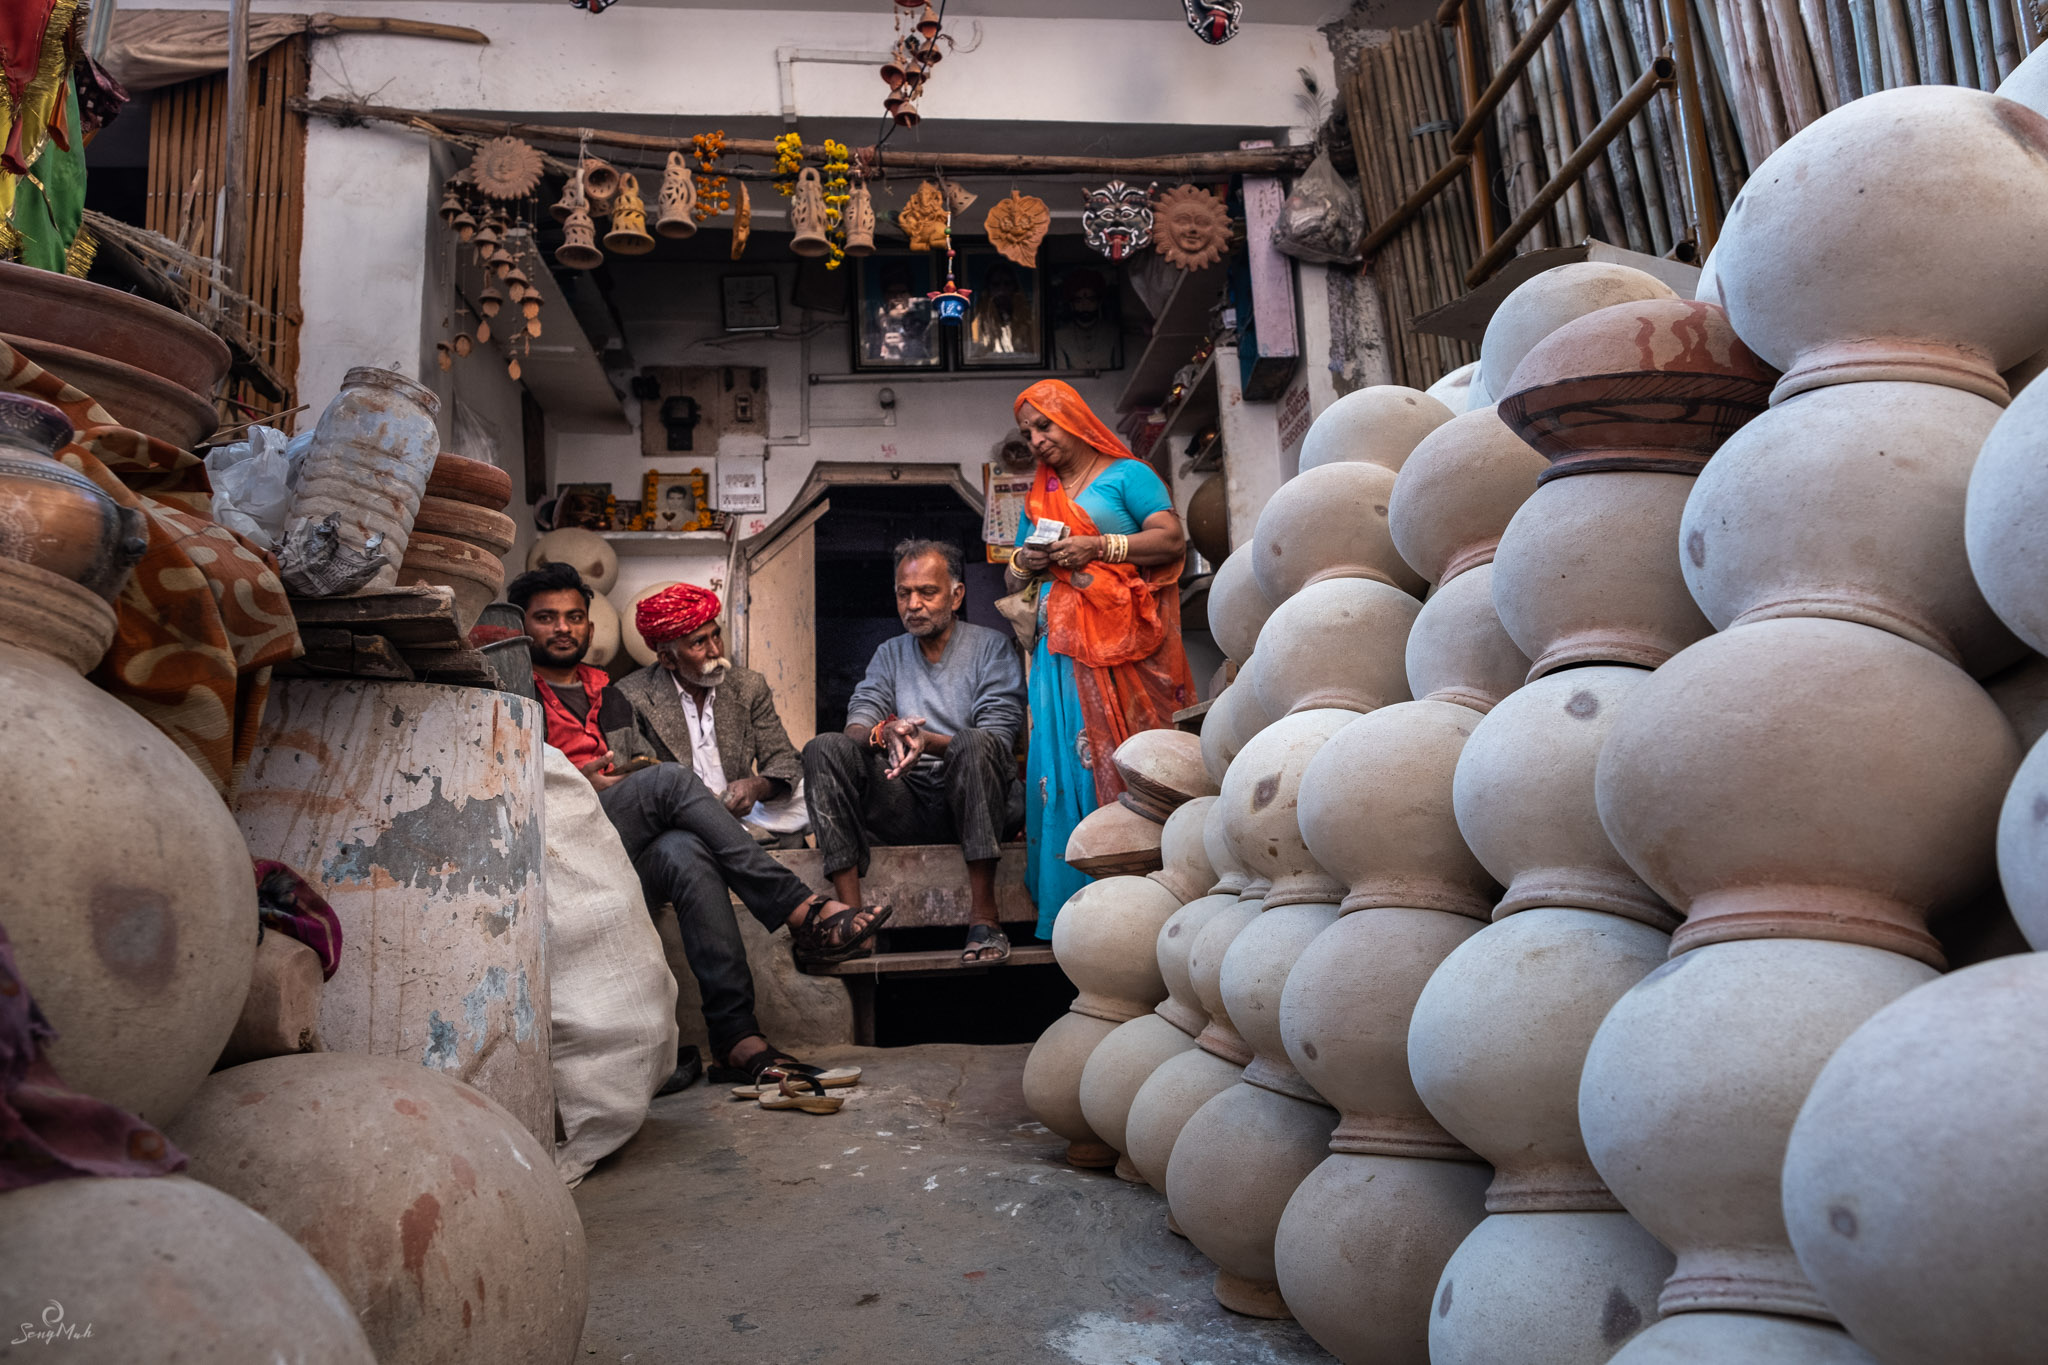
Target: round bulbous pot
[1808,778]
[1361,1244]
[1587,573]
[1375,810]
[1752,1338]
[1231,878]
[1253,979]
[1165,1102]
[1052,1085]
[1176,943]
[1238,606]
[1847,502]
[163,1270]
[1926,1254]
[1105,941]
[1499,1037]
[1235,717]
[2023,847]
[1524,797]
[1458,492]
[1184,868]
[1259,806]
[1329,522]
[1118,1066]
[2006,508]
[1205,976]
[1458,651]
[1162,771]
[1379,424]
[587,552]
[1336,644]
[1547,301]
[1688,1096]
[1455,388]
[1235,1165]
[1565,1288]
[1828,313]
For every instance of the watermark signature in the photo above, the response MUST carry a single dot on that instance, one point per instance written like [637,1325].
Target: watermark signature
[54,1328]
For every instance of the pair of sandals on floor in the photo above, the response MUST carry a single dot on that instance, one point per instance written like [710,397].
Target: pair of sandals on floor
[825,939]
[779,1081]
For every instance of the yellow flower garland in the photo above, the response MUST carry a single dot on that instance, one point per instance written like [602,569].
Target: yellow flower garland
[838,161]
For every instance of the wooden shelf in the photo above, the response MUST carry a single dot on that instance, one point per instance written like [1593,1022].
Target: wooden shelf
[923,964]
[400,636]
[660,537]
[1177,333]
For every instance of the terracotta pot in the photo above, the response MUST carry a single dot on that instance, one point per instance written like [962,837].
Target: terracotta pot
[678,199]
[1587,573]
[589,553]
[1524,796]
[1182,1007]
[135,397]
[441,1219]
[1116,840]
[1752,1338]
[1104,939]
[63,311]
[1338,644]
[1166,1100]
[1563,1287]
[1654,385]
[475,573]
[1258,803]
[1458,492]
[1688,1096]
[1545,302]
[628,235]
[578,250]
[1120,1064]
[1361,1245]
[1234,1167]
[53,518]
[1052,1085]
[1329,522]
[1916,1172]
[2007,501]
[1826,315]
[860,221]
[1376,425]
[807,215]
[473,481]
[138,948]
[1458,651]
[1808,778]
[1375,812]
[490,531]
[1162,770]
[1205,975]
[369,460]
[1499,1037]
[1253,978]
[161,1270]
[1454,390]
[1185,869]
[1847,502]
[1238,606]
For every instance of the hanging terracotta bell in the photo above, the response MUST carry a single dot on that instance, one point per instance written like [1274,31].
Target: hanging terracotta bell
[512,367]
[444,355]
[894,70]
[807,215]
[907,115]
[578,250]
[678,199]
[463,345]
[893,101]
[530,305]
[465,226]
[483,331]
[486,239]
[503,263]
[629,235]
[928,23]
[451,205]
[533,326]
[489,302]
[600,183]
[860,221]
[517,285]
[572,199]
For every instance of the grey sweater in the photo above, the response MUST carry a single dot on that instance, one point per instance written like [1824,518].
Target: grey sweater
[978,684]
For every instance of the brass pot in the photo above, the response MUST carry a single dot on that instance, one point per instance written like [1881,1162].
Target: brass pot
[52,516]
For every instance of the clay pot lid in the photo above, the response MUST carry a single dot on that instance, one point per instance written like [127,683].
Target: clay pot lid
[1655,385]
[1162,770]
[1115,840]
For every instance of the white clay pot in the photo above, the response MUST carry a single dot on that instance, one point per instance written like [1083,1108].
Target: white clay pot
[1116,840]
[1205,977]
[1545,302]
[1454,390]
[1808,778]
[1176,943]
[1587,573]
[1231,878]
[587,552]
[1329,523]
[1238,606]
[1751,1338]
[1378,425]
[1235,717]
[1162,770]
[1458,651]
[1117,1067]
[1052,1085]
[1565,1288]
[606,638]
[1847,502]
[1258,804]
[1165,1101]
[1253,978]
[1524,797]
[1185,869]
[2023,847]
[1688,1096]
[2006,511]
[1336,644]
[1844,261]
[1458,492]
[1918,1168]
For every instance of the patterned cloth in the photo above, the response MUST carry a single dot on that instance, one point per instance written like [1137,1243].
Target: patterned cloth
[287,902]
[49,1131]
[204,618]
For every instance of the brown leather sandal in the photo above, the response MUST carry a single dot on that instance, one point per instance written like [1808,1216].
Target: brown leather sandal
[823,938]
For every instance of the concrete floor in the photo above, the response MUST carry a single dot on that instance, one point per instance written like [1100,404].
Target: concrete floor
[930,1221]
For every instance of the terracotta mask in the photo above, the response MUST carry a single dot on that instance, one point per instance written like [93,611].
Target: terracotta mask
[1117,219]
[1017,225]
[1214,21]
[1191,227]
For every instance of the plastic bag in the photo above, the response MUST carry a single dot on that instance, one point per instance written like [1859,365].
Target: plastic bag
[1323,219]
[252,480]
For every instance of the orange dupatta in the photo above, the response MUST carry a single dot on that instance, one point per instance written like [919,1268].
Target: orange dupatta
[1119,623]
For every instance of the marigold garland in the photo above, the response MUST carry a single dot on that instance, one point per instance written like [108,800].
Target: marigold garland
[714,194]
[838,161]
[789,159]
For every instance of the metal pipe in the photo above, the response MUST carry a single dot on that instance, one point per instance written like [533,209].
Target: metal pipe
[1417,201]
[786,59]
[1510,71]
[1706,224]
[1661,74]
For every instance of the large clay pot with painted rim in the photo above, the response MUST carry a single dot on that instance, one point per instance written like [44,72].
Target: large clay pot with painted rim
[1524,796]
[587,552]
[478,482]
[1916,1173]
[1563,1287]
[1458,651]
[2007,508]
[1587,573]
[1458,492]
[1329,522]
[1808,778]
[1259,807]
[1921,295]
[1238,606]
[1379,424]
[1847,502]
[1688,1096]
[1335,644]
[1752,1338]
[1547,301]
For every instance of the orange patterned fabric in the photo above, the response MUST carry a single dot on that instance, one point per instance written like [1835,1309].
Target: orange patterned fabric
[204,618]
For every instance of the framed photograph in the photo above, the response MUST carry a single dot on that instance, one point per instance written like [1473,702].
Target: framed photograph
[894,328]
[750,304]
[587,505]
[1005,326]
[1087,333]
[676,500]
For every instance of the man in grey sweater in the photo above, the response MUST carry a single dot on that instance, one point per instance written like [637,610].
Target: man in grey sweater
[928,754]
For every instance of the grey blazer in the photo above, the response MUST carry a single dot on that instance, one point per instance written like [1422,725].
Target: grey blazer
[751,740]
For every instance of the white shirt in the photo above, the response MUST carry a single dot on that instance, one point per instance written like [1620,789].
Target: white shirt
[703,737]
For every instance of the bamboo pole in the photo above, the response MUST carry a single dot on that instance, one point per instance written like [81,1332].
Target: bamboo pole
[1555,141]
[1796,85]
[1509,70]
[1579,208]
[1841,49]
[1649,41]
[2005,48]
[1869,62]
[1614,53]
[1460,211]
[1723,144]
[1691,123]
[1931,44]
[1980,44]
[1955,22]
[1619,161]
[1761,73]
[1614,227]
[1468,90]
[1523,168]
[233,255]
[1899,35]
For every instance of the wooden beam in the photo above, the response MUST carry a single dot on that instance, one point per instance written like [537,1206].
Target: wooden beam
[232,250]
[328,25]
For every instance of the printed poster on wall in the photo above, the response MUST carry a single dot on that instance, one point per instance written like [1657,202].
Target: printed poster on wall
[742,483]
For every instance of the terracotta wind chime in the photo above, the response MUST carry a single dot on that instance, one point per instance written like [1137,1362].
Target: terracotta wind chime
[476,207]
[910,66]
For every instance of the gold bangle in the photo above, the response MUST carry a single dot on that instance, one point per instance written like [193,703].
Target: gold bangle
[1118,548]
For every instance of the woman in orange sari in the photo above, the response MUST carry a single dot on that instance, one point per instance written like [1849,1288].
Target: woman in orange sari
[1108,662]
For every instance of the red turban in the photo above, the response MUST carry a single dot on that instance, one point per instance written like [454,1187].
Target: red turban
[674,612]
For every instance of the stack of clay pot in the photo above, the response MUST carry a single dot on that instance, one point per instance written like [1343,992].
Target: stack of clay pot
[1332,649]
[1105,936]
[1238,611]
[591,555]
[461,533]
[1811,785]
